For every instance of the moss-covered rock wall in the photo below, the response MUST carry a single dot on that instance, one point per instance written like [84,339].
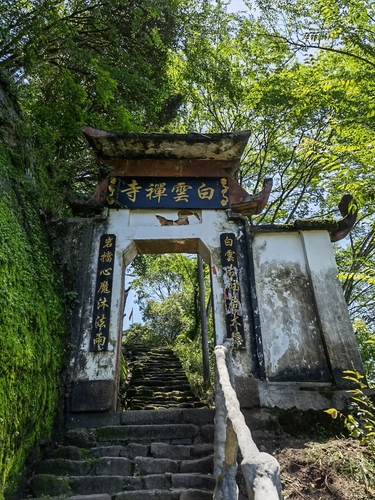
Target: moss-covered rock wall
[32,315]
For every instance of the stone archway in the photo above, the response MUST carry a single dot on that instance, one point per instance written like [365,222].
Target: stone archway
[155,180]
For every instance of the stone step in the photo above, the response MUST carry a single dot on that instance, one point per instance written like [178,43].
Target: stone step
[132,450]
[150,465]
[198,417]
[171,402]
[195,417]
[155,356]
[155,392]
[166,367]
[105,466]
[155,361]
[184,406]
[157,385]
[51,485]
[146,373]
[203,465]
[169,406]
[157,374]
[148,348]
[47,485]
[163,374]
[161,361]
[158,361]
[129,434]
[146,466]
[156,454]
[148,495]
[191,494]
[121,466]
[99,496]
[158,393]
[164,398]
[155,382]
[160,387]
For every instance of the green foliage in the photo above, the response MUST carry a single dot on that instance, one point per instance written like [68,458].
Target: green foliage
[75,63]
[168,293]
[300,77]
[360,422]
[142,334]
[124,369]
[356,273]
[32,323]
[169,318]
[190,354]
[366,341]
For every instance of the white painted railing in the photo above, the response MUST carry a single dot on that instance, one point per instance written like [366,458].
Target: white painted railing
[261,470]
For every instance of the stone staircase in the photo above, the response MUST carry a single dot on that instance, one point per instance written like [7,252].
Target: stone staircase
[157,380]
[160,455]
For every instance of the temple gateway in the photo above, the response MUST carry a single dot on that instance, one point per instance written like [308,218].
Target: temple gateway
[274,288]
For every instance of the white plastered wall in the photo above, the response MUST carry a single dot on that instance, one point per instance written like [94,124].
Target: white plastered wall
[306,329]
[139,231]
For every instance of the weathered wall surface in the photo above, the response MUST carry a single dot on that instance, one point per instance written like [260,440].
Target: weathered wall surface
[71,240]
[306,330]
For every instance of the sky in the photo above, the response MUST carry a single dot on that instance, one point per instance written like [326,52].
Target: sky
[236,5]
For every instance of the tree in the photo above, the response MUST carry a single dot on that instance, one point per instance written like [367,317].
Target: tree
[337,39]
[344,27]
[99,63]
[311,120]
[168,293]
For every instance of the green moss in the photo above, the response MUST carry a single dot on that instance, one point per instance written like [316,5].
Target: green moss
[328,391]
[32,325]
[49,485]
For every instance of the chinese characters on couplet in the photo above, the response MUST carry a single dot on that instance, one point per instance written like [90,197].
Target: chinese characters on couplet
[142,192]
[103,293]
[232,295]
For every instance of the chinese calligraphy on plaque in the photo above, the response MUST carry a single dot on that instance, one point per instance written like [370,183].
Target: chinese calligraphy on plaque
[232,295]
[142,192]
[103,293]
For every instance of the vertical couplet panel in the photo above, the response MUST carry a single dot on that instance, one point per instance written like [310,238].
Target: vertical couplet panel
[103,293]
[232,293]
